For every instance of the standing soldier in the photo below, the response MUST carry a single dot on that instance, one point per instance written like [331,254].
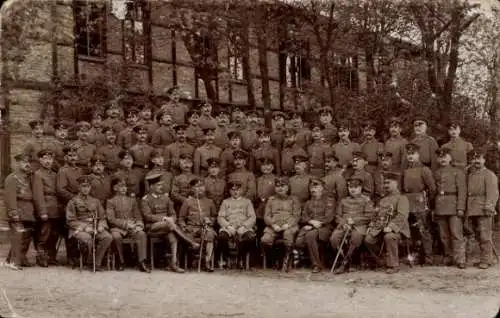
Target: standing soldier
[386,165]
[202,153]
[158,167]
[146,119]
[194,133]
[180,184]
[344,148]
[359,161]
[67,176]
[35,144]
[420,188]
[249,136]
[125,221]
[317,151]
[85,218]
[303,139]
[353,214]
[96,135]
[427,144]
[390,224]
[100,181]
[109,151]
[264,150]
[174,151]
[126,137]
[242,176]
[175,107]
[459,147]
[299,183]
[371,147]
[126,171]
[265,189]
[396,144]
[60,142]
[20,210]
[113,120]
[206,120]
[482,198]
[237,119]
[335,184]
[48,209]
[317,218]
[282,217]
[222,130]
[227,155]
[164,135]
[197,217]
[159,215]
[278,133]
[215,183]
[290,149]
[141,151]
[450,207]
[329,129]
[84,149]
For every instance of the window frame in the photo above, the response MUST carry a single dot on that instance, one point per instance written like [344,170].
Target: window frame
[102,15]
[127,35]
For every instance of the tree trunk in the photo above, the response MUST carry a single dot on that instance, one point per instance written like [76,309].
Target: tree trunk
[247,74]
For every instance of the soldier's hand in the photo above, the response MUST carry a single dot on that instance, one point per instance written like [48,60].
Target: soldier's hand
[346,227]
[276,228]
[308,227]
[44,217]
[285,227]
[207,221]
[350,221]
[387,229]
[460,213]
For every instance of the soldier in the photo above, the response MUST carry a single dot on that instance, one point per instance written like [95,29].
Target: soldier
[482,197]
[427,144]
[66,183]
[127,137]
[221,131]
[386,165]
[335,184]
[249,136]
[278,132]
[95,134]
[329,129]
[353,214]
[390,224]
[206,120]
[359,161]
[61,141]
[100,181]
[194,133]
[197,216]
[165,134]
[177,109]
[299,183]
[180,184]
[47,208]
[174,151]
[20,210]
[36,143]
[113,120]
[459,147]
[125,221]
[317,151]
[242,175]
[159,215]
[141,151]
[237,119]
[450,207]
[86,220]
[420,188]
[371,147]
[226,157]
[317,217]
[110,150]
[265,189]
[146,119]
[236,219]
[158,167]
[344,148]
[84,149]
[215,183]
[125,171]
[281,216]
[290,149]
[304,138]
[207,150]
[396,143]
[264,150]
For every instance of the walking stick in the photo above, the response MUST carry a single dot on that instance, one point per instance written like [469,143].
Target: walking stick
[94,234]
[203,231]
[340,249]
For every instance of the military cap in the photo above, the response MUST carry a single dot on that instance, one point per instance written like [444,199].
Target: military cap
[356,155]
[266,161]
[160,114]
[391,176]
[213,162]
[96,160]
[384,154]
[44,152]
[97,114]
[156,153]
[316,182]
[476,153]
[395,121]
[140,129]
[172,89]
[112,105]
[443,151]
[118,181]
[263,132]
[279,114]
[326,110]
[411,148]
[185,157]
[22,157]
[252,113]
[355,181]
[34,123]
[124,153]
[208,130]
[69,149]
[192,112]
[222,112]
[454,124]
[235,109]
[331,155]
[317,126]
[153,178]
[181,127]
[369,124]
[240,154]
[344,125]
[234,184]
[300,158]
[108,128]
[296,115]
[84,179]
[420,119]
[60,125]
[203,103]
[290,131]
[281,181]
[234,134]
[196,182]
[132,112]
[82,125]
[146,106]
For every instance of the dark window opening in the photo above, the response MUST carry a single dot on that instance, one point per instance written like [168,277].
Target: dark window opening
[136,32]
[90,20]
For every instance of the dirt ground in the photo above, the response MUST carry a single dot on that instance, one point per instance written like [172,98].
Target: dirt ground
[416,292]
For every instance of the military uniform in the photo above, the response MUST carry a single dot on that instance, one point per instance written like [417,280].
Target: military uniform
[172,155]
[66,183]
[371,149]
[177,111]
[163,136]
[96,137]
[278,138]
[265,189]
[244,177]
[303,137]
[151,127]
[265,151]
[141,152]
[215,188]
[344,150]
[101,187]
[281,210]
[459,149]
[166,177]
[207,121]
[427,148]
[201,154]
[330,133]
[227,160]
[194,135]
[126,138]
[134,180]
[368,182]
[397,147]
[221,138]
[299,187]
[192,214]
[180,187]
[287,154]
[249,138]
[109,154]
[33,146]
[335,184]
[116,123]
[317,152]
[85,152]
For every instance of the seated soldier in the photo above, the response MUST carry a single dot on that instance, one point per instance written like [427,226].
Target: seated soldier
[317,218]
[86,219]
[282,214]
[197,217]
[159,215]
[236,220]
[125,221]
[353,216]
[390,223]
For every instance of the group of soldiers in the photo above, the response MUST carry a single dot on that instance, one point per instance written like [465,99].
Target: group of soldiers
[225,182]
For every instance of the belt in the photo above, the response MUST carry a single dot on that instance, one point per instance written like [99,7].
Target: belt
[443,193]
[373,163]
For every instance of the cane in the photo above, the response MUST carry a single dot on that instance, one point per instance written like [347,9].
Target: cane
[200,253]
[94,234]
[340,249]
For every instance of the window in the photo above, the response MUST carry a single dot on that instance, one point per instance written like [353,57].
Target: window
[235,59]
[346,71]
[297,71]
[90,20]
[135,32]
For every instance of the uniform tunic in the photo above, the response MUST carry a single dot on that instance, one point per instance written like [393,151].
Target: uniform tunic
[451,190]
[85,152]
[45,193]
[227,160]
[265,151]
[215,188]
[396,146]
[194,211]
[142,155]
[122,210]
[207,121]
[330,133]
[18,197]
[163,136]
[303,138]
[101,187]
[287,154]
[167,178]
[278,138]
[155,207]
[299,186]
[317,151]
[359,209]
[151,127]
[247,179]
[482,191]
[236,212]
[195,136]
[81,211]
[459,149]
[173,152]
[221,139]
[265,189]
[177,111]
[249,138]
[115,123]
[281,210]
[96,137]
[418,178]
[335,184]
[344,150]
[66,183]
[134,180]
[428,147]
[109,153]
[181,188]
[371,148]
[368,182]
[201,154]
[126,138]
